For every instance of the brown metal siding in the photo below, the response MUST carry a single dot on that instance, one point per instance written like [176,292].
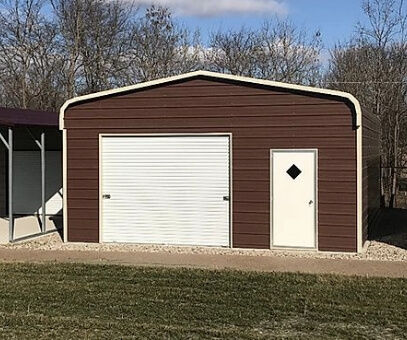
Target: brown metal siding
[259,118]
[371,171]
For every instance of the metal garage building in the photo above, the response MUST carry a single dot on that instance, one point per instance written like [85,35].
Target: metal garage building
[217,160]
[30,173]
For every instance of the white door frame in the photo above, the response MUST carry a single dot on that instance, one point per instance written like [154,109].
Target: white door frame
[272,151]
[226,134]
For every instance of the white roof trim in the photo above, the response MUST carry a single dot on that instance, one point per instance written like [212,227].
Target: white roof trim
[215,75]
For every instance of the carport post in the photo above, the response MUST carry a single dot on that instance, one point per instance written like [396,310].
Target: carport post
[10,185]
[43,226]
[9,145]
[41,145]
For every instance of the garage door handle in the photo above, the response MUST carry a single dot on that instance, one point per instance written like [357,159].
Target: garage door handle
[106,197]
[226,198]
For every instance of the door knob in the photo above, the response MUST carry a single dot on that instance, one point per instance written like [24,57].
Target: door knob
[310,202]
[226,198]
[106,197]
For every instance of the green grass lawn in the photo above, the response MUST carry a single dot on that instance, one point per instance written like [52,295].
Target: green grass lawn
[67,301]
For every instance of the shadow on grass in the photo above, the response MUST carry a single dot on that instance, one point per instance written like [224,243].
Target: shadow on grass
[391,228]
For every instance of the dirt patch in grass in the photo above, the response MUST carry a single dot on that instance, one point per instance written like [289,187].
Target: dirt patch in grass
[66,301]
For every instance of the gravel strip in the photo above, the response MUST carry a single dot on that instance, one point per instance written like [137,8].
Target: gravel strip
[389,248]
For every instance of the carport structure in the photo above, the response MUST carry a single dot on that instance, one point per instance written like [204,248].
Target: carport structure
[30,172]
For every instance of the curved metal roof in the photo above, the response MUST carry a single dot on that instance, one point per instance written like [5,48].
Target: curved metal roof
[214,75]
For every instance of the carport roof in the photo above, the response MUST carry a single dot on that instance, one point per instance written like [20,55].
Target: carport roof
[24,117]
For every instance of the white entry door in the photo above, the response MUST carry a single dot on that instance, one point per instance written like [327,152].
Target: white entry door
[293,207]
[165,190]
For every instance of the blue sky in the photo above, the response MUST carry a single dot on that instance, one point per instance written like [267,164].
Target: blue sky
[336,19]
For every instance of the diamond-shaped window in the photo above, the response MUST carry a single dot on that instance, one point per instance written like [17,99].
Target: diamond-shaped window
[293,171]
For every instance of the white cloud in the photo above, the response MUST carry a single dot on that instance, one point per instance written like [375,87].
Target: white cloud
[213,8]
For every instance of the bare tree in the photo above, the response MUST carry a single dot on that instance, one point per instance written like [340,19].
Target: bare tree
[278,51]
[289,54]
[94,39]
[70,20]
[373,66]
[29,64]
[83,46]
[234,52]
[161,48]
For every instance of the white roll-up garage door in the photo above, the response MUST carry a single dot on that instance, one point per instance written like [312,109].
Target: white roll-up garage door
[165,190]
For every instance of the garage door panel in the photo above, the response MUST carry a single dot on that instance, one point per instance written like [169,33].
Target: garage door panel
[166,190]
